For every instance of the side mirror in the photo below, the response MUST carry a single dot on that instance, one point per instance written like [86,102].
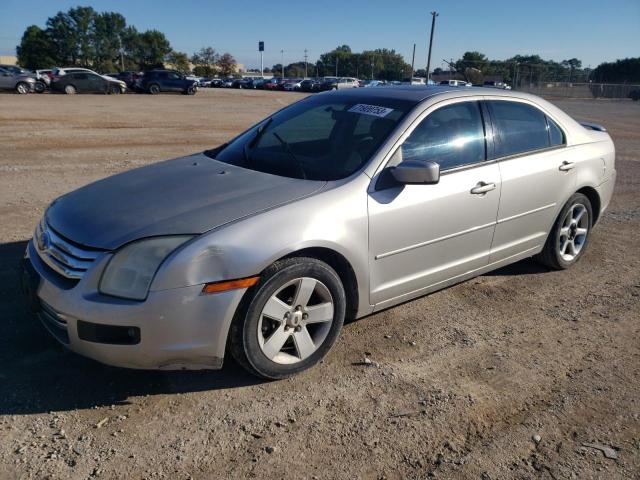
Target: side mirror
[410,172]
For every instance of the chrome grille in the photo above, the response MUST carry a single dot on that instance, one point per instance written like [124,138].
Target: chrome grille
[68,260]
[55,322]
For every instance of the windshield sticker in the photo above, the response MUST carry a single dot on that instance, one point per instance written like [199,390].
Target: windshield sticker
[374,110]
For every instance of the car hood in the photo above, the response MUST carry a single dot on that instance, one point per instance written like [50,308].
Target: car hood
[188,195]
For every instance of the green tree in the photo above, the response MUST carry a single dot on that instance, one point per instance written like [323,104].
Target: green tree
[621,71]
[152,48]
[178,61]
[227,65]
[35,50]
[205,61]
[108,29]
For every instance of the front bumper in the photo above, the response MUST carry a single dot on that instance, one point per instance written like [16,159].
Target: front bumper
[178,328]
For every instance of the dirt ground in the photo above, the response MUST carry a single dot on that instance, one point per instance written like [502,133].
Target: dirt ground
[463,382]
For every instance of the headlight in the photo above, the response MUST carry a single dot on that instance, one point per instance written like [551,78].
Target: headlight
[131,270]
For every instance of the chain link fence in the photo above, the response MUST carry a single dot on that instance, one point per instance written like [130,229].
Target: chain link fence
[579,90]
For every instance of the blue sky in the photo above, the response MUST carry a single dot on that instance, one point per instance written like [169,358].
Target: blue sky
[591,30]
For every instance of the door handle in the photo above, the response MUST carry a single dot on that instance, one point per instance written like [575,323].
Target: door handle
[481,188]
[566,166]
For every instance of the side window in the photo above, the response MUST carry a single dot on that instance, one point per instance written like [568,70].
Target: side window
[163,75]
[79,76]
[556,135]
[451,136]
[174,76]
[518,128]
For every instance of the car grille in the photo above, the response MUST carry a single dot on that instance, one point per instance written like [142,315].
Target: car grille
[69,260]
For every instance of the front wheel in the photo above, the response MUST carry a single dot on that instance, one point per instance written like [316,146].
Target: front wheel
[70,90]
[290,319]
[154,89]
[23,88]
[569,236]
[192,90]
[39,87]
[114,90]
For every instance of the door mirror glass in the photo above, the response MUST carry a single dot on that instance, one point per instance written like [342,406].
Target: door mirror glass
[411,172]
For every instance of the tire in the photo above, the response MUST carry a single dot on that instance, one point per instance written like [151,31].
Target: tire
[22,88]
[39,87]
[70,90]
[154,89]
[276,345]
[191,90]
[569,236]
[114,90]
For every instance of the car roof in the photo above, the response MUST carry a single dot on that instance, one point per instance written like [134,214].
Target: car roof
[418,93]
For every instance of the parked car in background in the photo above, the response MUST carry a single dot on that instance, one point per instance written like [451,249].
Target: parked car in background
[263,246]
[494,84]
[455,83]
[128,77]
[87,82]
[414,81]
[292,84]
[374,83]
[329,83]
[41,81]
[309,85]
[347,82]
[45,75]
[227,83]
[216,83]
[157,81]
[19,82]
[272,84]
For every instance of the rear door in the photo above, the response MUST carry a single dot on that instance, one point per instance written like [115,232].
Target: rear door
[530,150]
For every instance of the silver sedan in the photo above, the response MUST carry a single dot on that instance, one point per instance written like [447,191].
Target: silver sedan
[335,207]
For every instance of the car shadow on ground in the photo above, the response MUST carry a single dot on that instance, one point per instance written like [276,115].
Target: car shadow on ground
[38,375]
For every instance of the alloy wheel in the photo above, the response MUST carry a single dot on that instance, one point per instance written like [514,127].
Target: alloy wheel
[573,232]
[295,320]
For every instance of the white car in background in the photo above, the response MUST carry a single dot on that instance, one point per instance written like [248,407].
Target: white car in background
[347,82]
[455,83]
[414,81]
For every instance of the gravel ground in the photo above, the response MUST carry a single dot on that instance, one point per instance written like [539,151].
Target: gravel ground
[504,376]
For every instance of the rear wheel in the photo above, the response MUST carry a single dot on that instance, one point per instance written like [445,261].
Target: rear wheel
[39,87]
[154,89]
[569,236]
[290,319]
[22,88]
[191,90]
[70,90]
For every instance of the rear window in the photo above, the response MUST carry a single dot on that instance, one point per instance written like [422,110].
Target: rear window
[518,128]
[556,135]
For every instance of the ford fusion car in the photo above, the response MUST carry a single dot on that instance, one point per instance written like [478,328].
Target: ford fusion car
[335,207]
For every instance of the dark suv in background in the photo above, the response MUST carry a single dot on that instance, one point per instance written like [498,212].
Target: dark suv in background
[156,81]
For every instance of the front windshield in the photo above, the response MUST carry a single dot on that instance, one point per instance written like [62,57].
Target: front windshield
[324,137]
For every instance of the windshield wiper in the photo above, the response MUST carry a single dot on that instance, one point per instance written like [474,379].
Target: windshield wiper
[287,148]
[253,142]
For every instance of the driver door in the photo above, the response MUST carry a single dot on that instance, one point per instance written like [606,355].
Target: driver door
[424,237]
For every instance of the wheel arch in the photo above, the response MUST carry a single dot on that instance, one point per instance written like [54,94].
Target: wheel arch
[343,268]
[593,196]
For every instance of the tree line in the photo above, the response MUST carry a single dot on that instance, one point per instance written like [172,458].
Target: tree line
[382,64]
[104,42]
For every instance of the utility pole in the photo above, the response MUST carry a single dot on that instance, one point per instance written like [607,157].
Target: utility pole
[371,68]
[433,26]
[282,62]
[336,64]
[413,59]
[261,49]
[121,55]
[305,63]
